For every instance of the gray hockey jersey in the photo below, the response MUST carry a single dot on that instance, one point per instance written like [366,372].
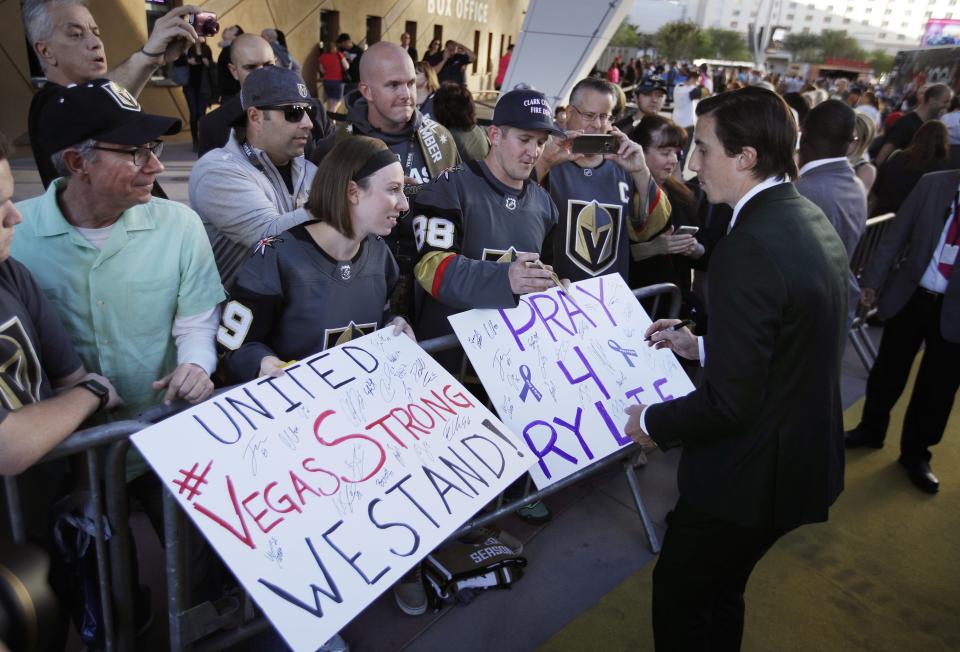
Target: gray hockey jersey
[291,300]
[596,206]
[465,224]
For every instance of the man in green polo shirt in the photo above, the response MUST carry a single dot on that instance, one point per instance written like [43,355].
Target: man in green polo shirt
[132,276]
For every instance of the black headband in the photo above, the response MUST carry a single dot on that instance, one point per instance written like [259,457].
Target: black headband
[381,159]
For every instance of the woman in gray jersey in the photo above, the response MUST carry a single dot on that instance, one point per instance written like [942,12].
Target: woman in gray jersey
[324,282]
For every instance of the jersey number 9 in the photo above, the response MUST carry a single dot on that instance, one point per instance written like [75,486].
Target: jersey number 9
[436,232]
[235,325]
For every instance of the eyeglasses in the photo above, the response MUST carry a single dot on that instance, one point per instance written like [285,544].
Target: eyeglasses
[591,117]
[293,112]
[140,154]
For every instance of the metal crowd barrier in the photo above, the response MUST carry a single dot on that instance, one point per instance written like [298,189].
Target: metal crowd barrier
[859,337]
[105,447]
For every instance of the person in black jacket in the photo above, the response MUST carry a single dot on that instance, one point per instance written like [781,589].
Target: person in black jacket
[762,435]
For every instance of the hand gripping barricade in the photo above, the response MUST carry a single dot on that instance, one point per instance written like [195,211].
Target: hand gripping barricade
[104,450]
[859,337]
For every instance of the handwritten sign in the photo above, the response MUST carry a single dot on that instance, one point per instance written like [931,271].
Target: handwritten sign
[322,487]
[562,369]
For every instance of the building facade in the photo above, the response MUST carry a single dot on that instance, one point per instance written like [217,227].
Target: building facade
[485,26]
[890,25]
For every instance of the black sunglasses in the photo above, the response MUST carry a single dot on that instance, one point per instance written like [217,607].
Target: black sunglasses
[293,112]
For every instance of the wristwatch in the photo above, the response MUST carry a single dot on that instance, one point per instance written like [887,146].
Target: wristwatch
[97,389]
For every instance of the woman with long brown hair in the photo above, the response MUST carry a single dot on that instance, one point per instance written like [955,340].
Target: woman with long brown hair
[929,151]
[667,257]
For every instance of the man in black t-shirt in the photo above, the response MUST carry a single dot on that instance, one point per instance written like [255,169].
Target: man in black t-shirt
[36,358]
[67,42]
[456,57]
[936,99]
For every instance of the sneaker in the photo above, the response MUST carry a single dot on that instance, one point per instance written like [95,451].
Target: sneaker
[410,594]
[482,534]
[335,644]
[535,513]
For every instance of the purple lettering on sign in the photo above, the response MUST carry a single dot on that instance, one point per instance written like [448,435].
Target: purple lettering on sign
[552,316]
[633,393]
[575,429]
[590,373]
[621,439]
[517,332]
[567,304]
[599,299]
[546,450]
[656,387]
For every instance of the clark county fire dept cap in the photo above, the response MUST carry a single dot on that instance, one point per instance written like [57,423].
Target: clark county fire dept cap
[101,110]
[525,109]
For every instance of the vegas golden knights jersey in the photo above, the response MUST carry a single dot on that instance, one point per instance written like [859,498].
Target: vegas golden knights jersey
[34,346]
[467,227]
[291,300]
[596,207]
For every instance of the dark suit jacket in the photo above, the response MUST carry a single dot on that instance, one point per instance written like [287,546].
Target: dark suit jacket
[836,189]
[907,246]
[762,436]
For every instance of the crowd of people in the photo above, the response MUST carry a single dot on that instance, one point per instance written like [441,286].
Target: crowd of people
[304,232]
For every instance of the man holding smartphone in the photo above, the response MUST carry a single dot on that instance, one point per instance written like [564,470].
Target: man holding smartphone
[600,182]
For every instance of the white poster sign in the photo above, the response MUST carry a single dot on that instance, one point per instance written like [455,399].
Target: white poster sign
[561,370]
[322,487]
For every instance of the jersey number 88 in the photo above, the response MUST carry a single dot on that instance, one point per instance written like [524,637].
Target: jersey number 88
[436,232]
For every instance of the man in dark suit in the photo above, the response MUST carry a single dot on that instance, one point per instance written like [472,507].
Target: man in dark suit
[914,270]
[762,436]
[828,180]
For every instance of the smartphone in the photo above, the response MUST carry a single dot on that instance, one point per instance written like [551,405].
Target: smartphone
[594,144]
[204,23]
[686,230]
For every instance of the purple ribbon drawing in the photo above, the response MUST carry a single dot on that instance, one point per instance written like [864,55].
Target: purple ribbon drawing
[528,385]
[626,353]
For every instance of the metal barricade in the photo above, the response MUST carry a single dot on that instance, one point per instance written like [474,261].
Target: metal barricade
[105,448]
[99,446]
[189,624]
[859,337]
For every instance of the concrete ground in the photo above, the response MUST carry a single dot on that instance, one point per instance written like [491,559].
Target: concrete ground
[594,542]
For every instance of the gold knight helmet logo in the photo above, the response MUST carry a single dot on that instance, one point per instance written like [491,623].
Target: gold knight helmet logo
[20,374]
[336,336]
[593,234]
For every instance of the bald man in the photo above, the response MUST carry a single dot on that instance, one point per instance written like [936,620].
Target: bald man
[384,107]
[248,52]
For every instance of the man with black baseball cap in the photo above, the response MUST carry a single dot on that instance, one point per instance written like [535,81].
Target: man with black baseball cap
[650,95]
[256,186]
[134,275]
[508,217]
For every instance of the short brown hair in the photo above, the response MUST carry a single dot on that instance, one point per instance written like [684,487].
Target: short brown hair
[328,193]
[758,118]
